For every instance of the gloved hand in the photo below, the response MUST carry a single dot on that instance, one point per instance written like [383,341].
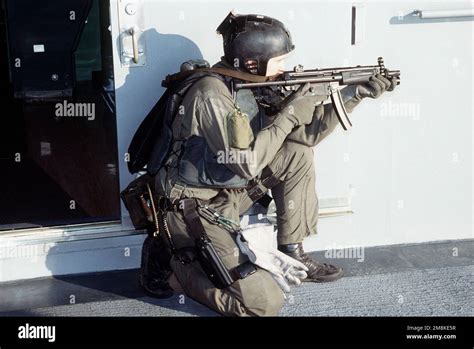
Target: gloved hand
[301,109]
[375,87]
[263,252]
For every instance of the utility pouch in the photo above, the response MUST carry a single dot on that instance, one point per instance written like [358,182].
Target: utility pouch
[212,263]
[207,255]
[239,130]
[136,199]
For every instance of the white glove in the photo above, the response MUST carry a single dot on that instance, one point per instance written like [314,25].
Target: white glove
[259,246]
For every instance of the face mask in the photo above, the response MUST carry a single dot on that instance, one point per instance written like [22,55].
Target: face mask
[276,65]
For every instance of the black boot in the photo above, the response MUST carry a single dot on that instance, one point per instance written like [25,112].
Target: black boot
[318,272]
[155,269]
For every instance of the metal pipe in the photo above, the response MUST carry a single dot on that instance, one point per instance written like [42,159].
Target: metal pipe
[468,12]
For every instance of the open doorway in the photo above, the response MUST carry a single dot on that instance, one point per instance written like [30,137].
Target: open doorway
[58,146]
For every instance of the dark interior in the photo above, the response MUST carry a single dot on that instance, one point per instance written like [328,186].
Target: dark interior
[61,170]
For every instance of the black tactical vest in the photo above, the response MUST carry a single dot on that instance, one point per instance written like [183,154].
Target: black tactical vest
[199,167]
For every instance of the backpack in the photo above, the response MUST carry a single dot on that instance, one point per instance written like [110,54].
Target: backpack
[151,144]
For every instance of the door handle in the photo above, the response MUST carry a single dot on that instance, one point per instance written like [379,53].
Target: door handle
[132,42]
[134,45]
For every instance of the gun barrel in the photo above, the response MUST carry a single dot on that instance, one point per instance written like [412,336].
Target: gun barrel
[372,70]
[393,73]
[316,72]
[290,82]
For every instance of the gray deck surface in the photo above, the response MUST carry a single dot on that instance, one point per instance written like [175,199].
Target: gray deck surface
[399,280]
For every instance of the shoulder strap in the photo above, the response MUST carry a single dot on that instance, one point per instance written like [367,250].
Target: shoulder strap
[170,79]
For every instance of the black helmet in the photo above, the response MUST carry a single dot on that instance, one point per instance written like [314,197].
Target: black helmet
[252,40]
